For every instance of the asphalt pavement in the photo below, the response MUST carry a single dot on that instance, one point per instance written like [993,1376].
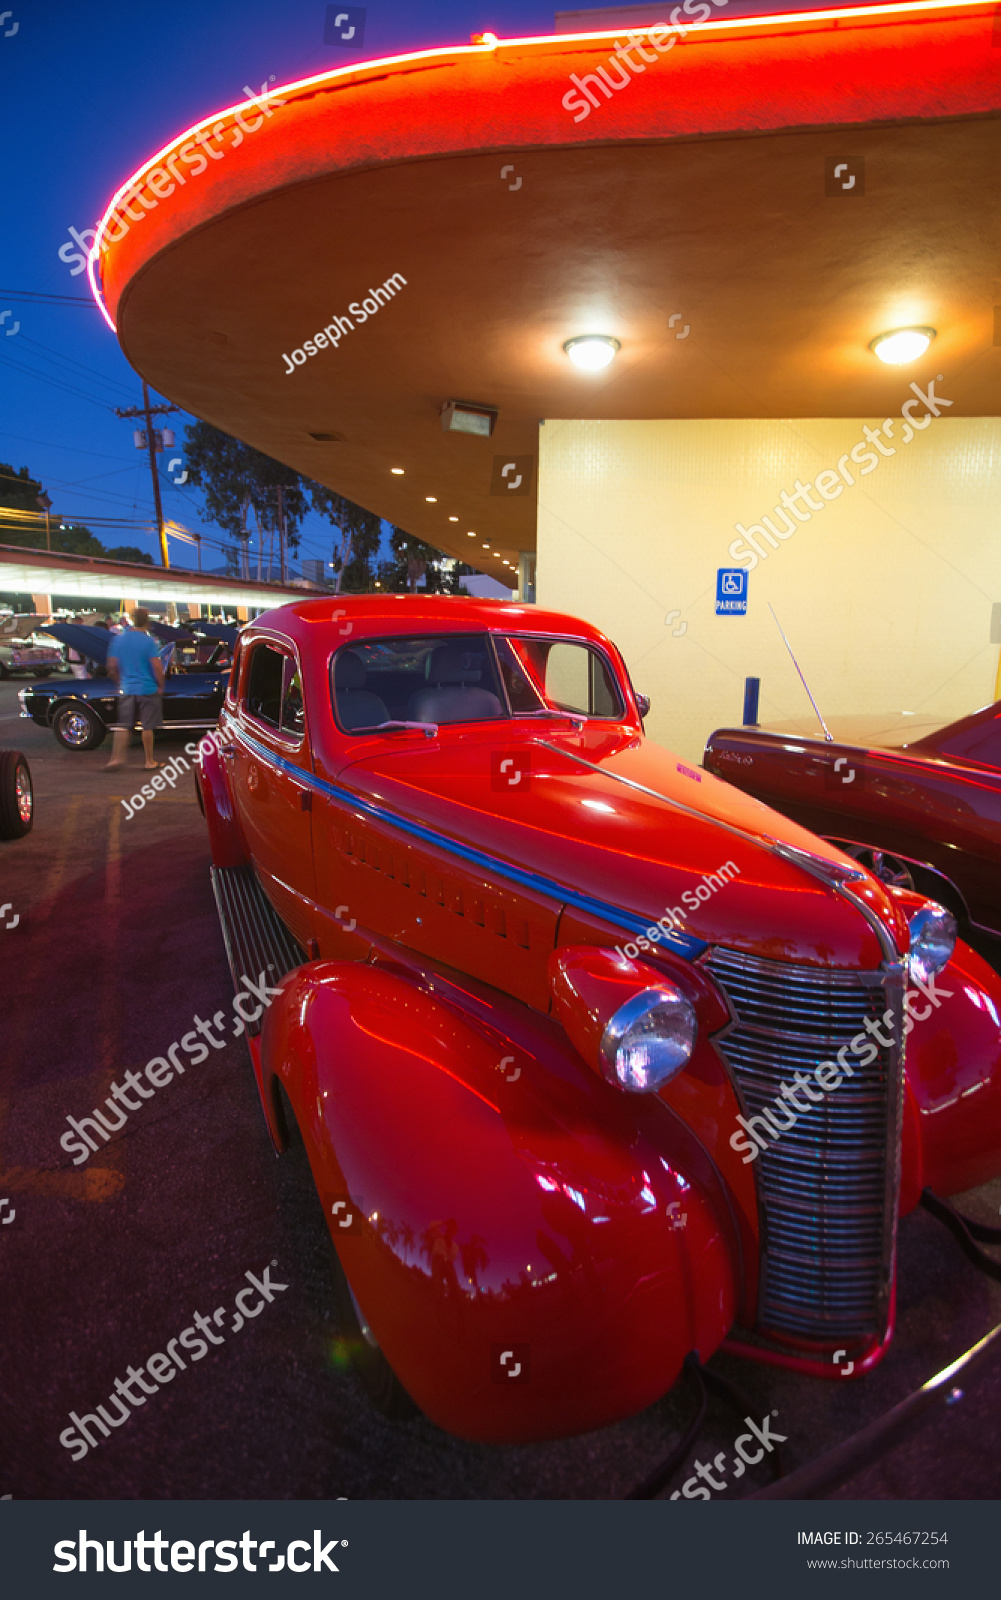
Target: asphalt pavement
[116,952]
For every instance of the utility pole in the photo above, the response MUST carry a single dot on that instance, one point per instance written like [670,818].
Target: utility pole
[46,505]
[148,412]
[281,531]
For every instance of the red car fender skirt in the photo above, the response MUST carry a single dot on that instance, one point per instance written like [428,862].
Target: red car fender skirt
[534,1250]
[954,1077]
[225,835]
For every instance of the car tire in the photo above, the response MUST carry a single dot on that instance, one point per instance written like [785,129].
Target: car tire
[883,864]
[3,672]
[77,727]
[354,1347]
[383,1388]
[906,874]
[44,672]
[17,800]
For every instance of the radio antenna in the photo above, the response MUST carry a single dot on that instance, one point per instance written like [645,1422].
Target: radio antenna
[827,732]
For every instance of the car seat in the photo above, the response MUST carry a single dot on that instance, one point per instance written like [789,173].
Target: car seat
[357,706]
[452,693]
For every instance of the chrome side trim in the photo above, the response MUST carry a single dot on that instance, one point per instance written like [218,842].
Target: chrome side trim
[683,944]
[829,872]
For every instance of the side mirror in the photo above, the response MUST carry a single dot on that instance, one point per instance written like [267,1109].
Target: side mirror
[643,705]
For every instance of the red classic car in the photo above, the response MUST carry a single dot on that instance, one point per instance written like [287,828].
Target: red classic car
[596,1060]
[922,814]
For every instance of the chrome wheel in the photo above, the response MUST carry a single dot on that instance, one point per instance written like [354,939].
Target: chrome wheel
[25,798]
[17,805]
[884,866]
[78,728]
[75,728]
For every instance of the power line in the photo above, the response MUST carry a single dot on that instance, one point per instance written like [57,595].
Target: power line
[42,377]
[50,444]
[67,361]
[50,299]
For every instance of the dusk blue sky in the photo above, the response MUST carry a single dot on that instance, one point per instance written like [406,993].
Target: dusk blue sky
[87,92]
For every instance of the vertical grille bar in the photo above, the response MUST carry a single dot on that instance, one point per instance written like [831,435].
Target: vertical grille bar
[827,1184]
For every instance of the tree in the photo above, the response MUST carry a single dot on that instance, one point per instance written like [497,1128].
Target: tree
[415,559]
[236,480]
[358,536]
[19,491]
[129,552]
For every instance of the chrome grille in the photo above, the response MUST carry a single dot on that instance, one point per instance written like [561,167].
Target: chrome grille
[827,1185]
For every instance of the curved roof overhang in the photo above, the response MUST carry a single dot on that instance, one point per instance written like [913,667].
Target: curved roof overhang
[697,189]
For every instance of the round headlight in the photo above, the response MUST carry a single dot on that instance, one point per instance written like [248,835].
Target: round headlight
[648,1039]
[933,939]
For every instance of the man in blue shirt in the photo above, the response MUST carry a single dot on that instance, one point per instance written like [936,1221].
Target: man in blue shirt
[134,664]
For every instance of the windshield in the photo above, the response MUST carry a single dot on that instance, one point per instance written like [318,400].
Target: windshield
[431,679]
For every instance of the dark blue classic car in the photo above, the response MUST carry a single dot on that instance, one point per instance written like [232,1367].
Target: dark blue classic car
[81,710]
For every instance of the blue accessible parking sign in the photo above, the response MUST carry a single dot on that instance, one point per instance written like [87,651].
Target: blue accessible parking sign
[731,592]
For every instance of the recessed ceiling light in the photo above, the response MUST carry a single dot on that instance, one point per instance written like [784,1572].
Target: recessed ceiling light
[453,519]
[592,351]
[432,499]
[486,547]
[397,472]
[901,345]
[470,534]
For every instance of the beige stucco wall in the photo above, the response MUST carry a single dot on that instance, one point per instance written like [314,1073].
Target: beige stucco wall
[885,593]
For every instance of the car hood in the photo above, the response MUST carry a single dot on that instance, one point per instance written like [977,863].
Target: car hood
[86,641]
[620,819]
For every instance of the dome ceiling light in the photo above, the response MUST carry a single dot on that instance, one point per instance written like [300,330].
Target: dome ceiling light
[901,345]
[592,351]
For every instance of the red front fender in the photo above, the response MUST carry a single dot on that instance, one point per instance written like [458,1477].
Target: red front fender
[504,1202]
[952,1131]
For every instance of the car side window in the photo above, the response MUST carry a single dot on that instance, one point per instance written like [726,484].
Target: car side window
[234,674]
[265,682]
[577,679]
[293,713]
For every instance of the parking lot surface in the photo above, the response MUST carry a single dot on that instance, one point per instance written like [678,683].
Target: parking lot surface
[115,953]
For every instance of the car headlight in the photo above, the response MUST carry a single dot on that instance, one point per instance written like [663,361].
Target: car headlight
[933,939]
[648,1039]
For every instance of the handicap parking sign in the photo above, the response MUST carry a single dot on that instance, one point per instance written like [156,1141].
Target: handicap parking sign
[731,592]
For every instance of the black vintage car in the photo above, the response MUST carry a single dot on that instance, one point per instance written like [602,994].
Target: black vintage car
[81,710]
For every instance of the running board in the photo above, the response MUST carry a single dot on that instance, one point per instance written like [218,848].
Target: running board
[255,937]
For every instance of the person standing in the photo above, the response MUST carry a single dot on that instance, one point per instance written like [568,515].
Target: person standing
[135,666]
